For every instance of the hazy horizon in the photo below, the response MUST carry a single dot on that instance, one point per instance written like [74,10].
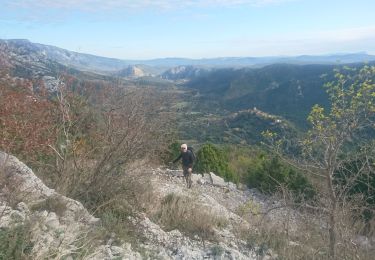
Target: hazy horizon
[204,58]
[193,29]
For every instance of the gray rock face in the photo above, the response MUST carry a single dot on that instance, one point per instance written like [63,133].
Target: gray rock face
[175,173]
[106,252]
[9,216]
[58,232]
[212,179]
[131,72]
[33,190]
[38,56]
[54,235]
[182,72]
[217,181]
[174,245]
[52,84]
[197,178]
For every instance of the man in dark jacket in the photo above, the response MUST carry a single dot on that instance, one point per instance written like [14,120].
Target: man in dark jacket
[187,163]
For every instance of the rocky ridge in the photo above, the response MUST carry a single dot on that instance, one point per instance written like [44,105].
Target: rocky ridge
[132,71]
[59,224]
[182,72]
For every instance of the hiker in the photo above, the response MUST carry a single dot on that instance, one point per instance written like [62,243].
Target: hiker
[187,163]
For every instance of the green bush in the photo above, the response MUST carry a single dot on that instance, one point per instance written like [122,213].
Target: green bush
[240,159]
[212,159]
[269,173]
[15,242]
[172,152]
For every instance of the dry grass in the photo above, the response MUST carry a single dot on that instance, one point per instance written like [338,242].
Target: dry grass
[182,213]
[308,238]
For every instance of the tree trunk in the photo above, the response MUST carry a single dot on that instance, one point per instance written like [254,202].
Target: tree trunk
[332,214]
[332,231]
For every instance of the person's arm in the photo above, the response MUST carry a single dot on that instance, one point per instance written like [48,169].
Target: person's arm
[178,158]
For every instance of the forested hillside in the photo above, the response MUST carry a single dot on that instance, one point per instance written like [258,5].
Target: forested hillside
[281,89]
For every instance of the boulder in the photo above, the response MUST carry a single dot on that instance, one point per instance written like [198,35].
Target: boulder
[207,178]
[217,181]
[9,216]
[232,186]
[201,181]
[197,178]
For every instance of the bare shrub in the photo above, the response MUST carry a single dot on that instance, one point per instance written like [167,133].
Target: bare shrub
[26,121]
[98,140]
[136,195]
[86,140]
[300,232]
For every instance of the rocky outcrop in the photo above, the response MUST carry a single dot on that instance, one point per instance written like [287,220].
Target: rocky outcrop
[131,72]
[109,251]
[207,178]
[59,227]
[21,180]
[182,72]
[174,245]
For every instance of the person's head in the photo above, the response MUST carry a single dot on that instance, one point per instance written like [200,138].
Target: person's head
[183,148]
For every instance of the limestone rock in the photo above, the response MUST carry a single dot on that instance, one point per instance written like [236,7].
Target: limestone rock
[217,180]
[107,252]
[54,230]
[33,190]
[59,230]
[174,245]
[197,178]
[175,173]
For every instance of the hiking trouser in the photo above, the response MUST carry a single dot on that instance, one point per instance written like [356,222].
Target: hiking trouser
[187,174]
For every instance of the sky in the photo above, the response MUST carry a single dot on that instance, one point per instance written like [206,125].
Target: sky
[147,29]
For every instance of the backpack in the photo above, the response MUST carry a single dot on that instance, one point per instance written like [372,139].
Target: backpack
[192,152]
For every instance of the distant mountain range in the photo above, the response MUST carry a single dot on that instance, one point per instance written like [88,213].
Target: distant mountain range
[222,99]
[88,62]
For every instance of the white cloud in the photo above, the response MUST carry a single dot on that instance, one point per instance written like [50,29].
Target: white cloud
[315,42]
[348,34]
[96,5]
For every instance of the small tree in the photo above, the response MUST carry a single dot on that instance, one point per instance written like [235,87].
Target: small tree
[335,135]
[334,140]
